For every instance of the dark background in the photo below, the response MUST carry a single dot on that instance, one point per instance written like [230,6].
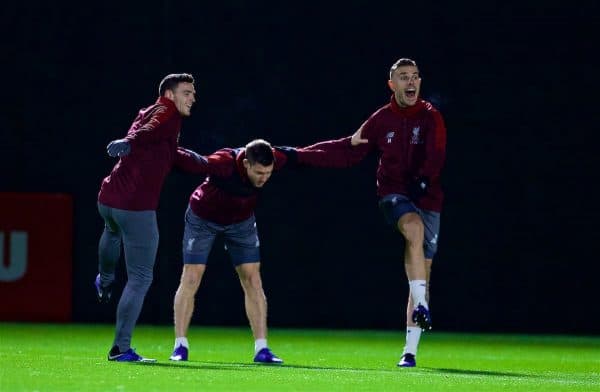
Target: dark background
[515,83]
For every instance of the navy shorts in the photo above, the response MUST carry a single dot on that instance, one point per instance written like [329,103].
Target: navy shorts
[241,240]
[393,206]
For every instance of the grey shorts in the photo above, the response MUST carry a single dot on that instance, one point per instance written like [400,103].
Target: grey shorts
[241,240]
[393,206]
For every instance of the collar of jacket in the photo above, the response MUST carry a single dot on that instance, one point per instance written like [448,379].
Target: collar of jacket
[168,103]
[407,111]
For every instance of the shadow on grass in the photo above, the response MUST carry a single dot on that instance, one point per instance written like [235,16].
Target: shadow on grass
[190,365]
[241,366]
[250,366]
[478,372]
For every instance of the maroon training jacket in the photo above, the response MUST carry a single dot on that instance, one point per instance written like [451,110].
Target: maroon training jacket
[411,142]
[136,180]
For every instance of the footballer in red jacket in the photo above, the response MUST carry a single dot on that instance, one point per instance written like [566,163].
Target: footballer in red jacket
[409,136]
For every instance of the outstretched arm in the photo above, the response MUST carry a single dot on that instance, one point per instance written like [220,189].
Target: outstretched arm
[190,161]
[331,153]
[144,134]
[340,153]
[218,163]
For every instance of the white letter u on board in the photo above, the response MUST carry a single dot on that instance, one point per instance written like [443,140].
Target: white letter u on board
[16,266]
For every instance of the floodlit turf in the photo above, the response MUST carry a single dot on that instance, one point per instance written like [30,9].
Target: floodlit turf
[54,357]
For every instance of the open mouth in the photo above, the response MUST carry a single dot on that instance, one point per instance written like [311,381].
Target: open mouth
[410,93]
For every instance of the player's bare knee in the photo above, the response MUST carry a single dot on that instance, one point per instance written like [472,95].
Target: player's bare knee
[191,276]
[250,278]
[252,281]
[412,229]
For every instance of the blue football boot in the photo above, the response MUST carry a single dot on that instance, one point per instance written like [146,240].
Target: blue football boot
[407,360]
[103,293]
[127,356]
[422,317]
[179,354]
[266,356]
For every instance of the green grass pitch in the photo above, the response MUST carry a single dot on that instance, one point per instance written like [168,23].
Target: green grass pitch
[72,357]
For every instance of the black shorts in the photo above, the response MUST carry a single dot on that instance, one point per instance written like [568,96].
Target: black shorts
[393,206]
[241,240]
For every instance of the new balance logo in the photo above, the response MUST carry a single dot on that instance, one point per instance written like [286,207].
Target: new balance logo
[390,136]
[13,255]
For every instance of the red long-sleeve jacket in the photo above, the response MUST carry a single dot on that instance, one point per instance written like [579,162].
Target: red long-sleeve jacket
[411,142]
[227,195]
[136,180]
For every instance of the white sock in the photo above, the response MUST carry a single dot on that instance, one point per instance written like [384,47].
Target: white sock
[413,335]
[181,342]
[418,288]
[259,344]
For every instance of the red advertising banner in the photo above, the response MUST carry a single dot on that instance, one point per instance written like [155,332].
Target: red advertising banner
[36,232]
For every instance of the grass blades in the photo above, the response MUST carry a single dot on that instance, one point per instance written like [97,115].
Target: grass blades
[72,357]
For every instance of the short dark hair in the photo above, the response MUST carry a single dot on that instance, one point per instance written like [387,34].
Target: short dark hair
[260,151]
[400,63]
[171,81]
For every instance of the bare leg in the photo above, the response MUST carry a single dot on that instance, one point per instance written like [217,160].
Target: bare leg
[254,298]
[183,305]
[411,227]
